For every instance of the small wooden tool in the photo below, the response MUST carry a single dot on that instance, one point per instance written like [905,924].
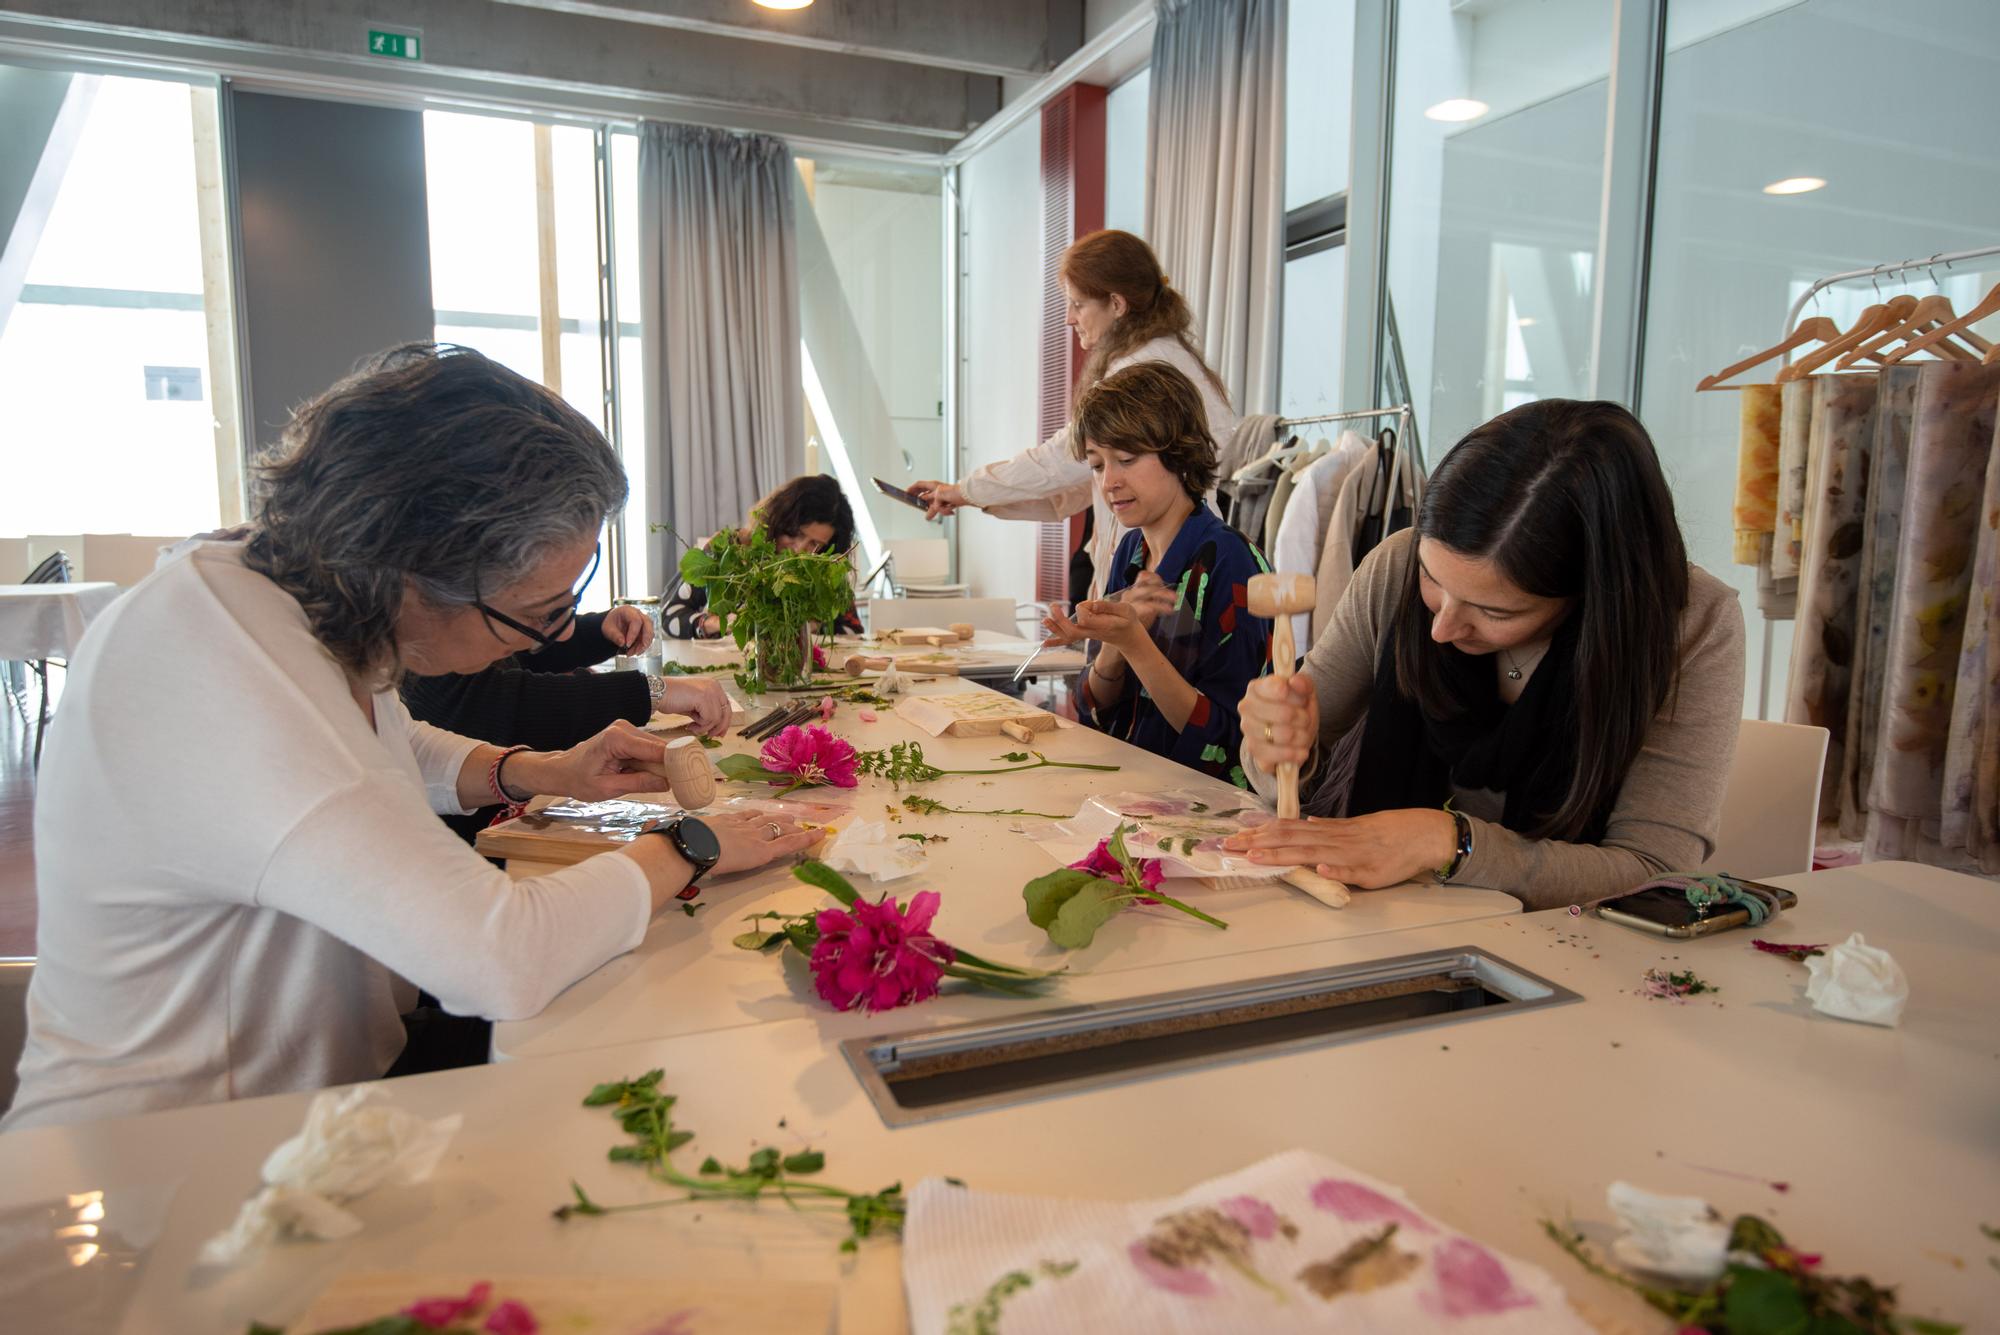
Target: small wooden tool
[1020,732]
[856,664]
[688,773]
[1279,597]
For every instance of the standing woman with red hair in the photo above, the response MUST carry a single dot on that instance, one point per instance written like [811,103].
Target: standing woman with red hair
[1124,310]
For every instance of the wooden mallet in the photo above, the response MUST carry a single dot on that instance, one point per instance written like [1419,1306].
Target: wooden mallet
[1280,597]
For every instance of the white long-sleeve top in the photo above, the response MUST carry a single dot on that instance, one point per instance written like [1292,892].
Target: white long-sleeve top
[235,872]
[1047,482]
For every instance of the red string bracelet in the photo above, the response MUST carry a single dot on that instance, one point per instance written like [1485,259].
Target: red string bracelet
[509,808]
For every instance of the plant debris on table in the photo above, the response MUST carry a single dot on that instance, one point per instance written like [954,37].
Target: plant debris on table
[1677,986]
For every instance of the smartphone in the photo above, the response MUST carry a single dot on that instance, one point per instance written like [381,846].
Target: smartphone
[1665,912]
[896,493]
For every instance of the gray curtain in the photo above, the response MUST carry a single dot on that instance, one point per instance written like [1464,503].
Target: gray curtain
[719,314]
[1215,164]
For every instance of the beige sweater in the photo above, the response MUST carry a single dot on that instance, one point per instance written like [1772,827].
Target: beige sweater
[1668,810]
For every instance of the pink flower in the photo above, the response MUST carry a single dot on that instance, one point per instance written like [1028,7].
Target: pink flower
[879,956]
[1100,862]
[511,1318]
[1184,1280]
[869,716]
[819,657]
[1471,1282]
[1255,1215]
[826,709]
[437,1313]
[810,756]
[1352,1201]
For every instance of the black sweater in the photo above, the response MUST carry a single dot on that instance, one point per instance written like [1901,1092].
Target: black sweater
[537,699]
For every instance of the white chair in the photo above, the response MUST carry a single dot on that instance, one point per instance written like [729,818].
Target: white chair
[14,976]
[920,560]
[994,614]
[120,557]
[1770,805]
[43,545]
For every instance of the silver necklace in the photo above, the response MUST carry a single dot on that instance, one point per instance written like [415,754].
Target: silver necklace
[1514,669]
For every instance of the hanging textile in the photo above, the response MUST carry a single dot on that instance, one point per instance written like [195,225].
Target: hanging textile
[1794,436]
[1970,819]
[1215,179]
[1308,515]
[1888,475]
[719,321]
[1843,434]
[1756,473]
[1951,438]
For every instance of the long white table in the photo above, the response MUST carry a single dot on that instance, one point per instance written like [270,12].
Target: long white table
[991,657]
[687,978]
[48,620]
[1888,1140]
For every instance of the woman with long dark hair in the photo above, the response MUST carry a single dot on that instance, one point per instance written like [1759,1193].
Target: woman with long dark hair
[1547,692]
[806,514]
[1124,310]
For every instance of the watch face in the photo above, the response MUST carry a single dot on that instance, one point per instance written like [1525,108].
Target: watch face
[700,842]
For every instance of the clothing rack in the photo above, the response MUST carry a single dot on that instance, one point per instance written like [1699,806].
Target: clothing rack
[1402,412]
[1875,272]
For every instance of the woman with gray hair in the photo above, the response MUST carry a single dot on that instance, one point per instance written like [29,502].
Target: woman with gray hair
[240,879]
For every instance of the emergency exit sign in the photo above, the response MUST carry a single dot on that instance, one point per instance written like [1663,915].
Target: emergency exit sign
[395,45]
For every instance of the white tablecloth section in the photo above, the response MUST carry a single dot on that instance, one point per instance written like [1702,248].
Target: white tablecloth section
[48,620]
[1884,1139]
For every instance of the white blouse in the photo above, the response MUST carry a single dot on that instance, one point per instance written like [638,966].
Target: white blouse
[235,873]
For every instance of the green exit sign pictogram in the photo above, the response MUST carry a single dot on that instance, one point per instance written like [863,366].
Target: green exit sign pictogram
[395,45]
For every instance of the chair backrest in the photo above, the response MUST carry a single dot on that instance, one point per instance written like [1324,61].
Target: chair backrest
[15,975]
[920,560]
[43,545]
[120,557]
[1770,806]
[51,569]
[994,614]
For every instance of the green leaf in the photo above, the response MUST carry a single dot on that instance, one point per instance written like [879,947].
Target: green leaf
[1763,1302]
[710,1167]
[747,769]
[802,934]
[676,1139]
[1045,895]
[758,940]
[259,1328]
[817,873]
[609,1092]
[630,1154]
[1087,910]
[805,1161]
[1015,757]
[764,1163]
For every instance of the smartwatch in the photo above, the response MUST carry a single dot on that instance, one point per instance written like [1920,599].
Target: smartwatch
[696,844]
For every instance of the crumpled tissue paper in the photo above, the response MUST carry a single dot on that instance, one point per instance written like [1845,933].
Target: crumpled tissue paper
[891,682]
[1680,1237]
[1857,981]
[349,1146]
[868,847]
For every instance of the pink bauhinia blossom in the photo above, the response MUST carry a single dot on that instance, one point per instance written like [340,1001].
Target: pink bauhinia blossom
[810,756]
[879,956]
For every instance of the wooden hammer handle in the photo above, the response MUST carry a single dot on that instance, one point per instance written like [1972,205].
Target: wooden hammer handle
[1283,651]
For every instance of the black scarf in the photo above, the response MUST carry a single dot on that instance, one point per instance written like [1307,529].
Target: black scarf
[1409,759]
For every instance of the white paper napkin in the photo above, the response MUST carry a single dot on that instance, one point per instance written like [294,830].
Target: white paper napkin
[1681,1237]
[1294,1243]
[869,847]
[350,1145]
[1857,981]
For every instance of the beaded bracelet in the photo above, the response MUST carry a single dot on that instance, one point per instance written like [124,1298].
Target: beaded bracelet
[500,793]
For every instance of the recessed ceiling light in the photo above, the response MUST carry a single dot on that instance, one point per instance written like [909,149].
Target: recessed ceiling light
[784,4]
[1455,109]
[1794,185]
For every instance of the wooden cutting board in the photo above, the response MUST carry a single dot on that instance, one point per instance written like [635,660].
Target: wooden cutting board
[974,714]
[568,832]
[925,635]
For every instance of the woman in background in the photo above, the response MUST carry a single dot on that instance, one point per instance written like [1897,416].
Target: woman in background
[807,514]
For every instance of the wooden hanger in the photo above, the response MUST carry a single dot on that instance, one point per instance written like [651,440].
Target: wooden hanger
[1818,328]
[1872,322]
[1949,328]
[1930,312]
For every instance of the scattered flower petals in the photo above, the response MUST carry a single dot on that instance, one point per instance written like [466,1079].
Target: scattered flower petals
[1257,1216]
[511,1318]
[869,716]
[879,956]
[1184,1280]
[1791,951]
[826,709]
[808,756]
[1352,1201]
[1664,986]
[1471,1282]
[438,1313]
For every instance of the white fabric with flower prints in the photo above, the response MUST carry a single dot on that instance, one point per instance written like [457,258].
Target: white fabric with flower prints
[1297,1242]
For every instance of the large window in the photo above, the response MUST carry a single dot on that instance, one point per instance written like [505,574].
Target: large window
[515,211]
[1744,106]
[118,388]
[1319,66]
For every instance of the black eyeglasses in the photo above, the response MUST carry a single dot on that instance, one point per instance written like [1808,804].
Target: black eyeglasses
[556,622]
